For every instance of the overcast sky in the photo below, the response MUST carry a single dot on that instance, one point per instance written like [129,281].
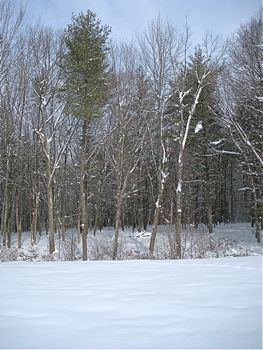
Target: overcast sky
[127,17]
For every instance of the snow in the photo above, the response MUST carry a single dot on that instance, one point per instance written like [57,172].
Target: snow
[164,175]
[199,127]
[179,187]
[217,142]
[228,152]
[248,143]
[245,189]
[43,101]
[208,303]
[232,239]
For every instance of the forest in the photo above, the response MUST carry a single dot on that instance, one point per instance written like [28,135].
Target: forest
[155,131]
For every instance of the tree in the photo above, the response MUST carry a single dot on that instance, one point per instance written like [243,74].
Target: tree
[11,20]
[47,80]
[191,83]
[85,72]
[128,128]
[160,47]
[204,131]
[242,106]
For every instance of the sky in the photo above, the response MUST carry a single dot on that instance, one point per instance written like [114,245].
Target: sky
[128,17]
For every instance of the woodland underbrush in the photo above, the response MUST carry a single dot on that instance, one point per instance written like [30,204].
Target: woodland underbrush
[196,244]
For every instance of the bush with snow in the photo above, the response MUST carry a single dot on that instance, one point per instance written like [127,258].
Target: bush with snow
[197,243]
[8,254]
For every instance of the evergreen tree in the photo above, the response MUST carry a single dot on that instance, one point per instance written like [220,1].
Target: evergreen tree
[192,125]
[244,109]
[204,130]
[85,69]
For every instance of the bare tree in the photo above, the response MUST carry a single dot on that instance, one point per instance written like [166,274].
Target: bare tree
[11,19]
[127,127]
[46,82]
[160,48]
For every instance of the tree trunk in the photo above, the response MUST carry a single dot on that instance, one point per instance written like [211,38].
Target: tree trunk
[7,208]
[208,197]
[256,213]
[34,215]
[64,202]
[45,141]
[178,226]
[19,218]
[183,138]
[156,218]
[140,224]
[97,223]
[83,195]
[51,233]
[116,230]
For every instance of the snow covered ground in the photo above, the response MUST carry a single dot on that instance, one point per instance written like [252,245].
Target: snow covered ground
[193,304]
[227,240]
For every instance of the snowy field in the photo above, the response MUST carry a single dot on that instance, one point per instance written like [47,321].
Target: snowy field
[193,304]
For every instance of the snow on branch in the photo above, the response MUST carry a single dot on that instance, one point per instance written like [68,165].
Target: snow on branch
[228,152]
[216,142]
[199,127]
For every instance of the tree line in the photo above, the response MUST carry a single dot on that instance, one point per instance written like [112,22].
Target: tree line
[96,133]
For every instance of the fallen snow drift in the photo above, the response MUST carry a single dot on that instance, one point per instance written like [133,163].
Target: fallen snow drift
[210,303]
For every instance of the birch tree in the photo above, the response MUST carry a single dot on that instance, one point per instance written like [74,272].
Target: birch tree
[184,112]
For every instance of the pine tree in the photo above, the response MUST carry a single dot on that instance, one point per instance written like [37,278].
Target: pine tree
[190,96]
[85,69]
[204,130]
[244,114]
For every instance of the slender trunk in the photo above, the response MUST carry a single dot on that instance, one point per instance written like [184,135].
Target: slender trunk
[183,137]
[9,239]
[96,220]
[178,224]
[178,227]
[156,218]
[49,179]
[63,228]
[50,200]
[140,200]
[36,196]
[83,222]
[172,212]
[19,218]
[121,185]
[79,227]
[256,213]
[64,205]
[209,217]
[116,230]
[208,198]
[231,194]
[97,223]
[162,177]
[51,233]
[6,211]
